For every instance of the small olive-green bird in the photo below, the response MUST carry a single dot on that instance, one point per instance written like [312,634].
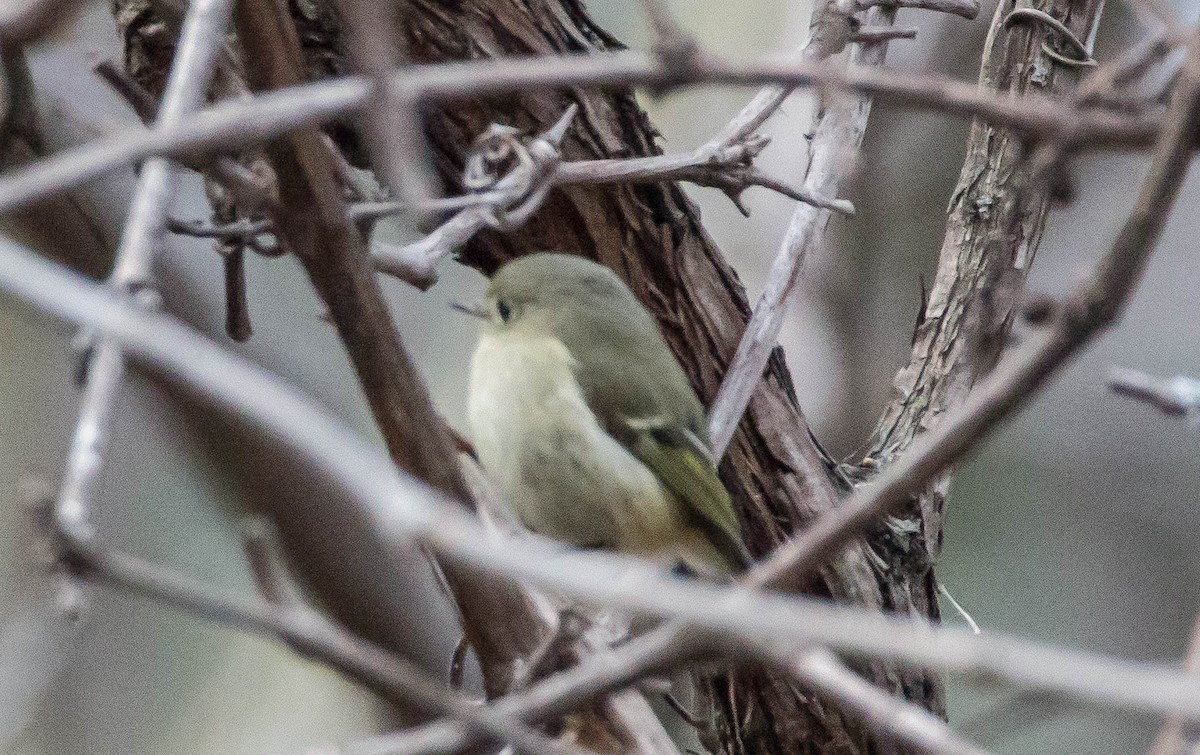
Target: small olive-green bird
[589,426]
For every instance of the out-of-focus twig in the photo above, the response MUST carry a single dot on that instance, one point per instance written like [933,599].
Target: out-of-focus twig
[241,183]
[891,717]
[392,124]
[1101,86]
[24,21]
[1170,739]
[202,34]
[397,508]
[837,137]
[1179,395]
[265,116]
[672,43]
[307,632]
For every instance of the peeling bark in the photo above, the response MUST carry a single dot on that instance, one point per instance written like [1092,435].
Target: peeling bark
[993,229]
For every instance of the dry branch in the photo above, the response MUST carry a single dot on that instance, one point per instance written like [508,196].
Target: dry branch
[675,269]
[264,117]
[398,508]
[1179,395]
[992,233]
[312,219]
[836,141]
[307,632]
[201,36]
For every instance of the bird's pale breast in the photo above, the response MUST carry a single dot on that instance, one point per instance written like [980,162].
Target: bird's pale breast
[563,475]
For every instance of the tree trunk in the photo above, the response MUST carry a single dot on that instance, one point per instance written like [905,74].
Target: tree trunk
[993,229]
[651,234]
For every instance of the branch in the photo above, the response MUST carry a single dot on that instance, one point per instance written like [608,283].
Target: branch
[887,715]
[536,167]
[307,632]
[239,123]
[965,8]
[836,142]
[201,37]
[1178,396]
[397,509]
[519,192]
[1089,310]
[726,167]
[1170,739]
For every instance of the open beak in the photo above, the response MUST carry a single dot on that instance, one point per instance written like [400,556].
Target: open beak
[475,310]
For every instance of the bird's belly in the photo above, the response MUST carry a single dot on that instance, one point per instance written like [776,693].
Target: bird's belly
[562,474]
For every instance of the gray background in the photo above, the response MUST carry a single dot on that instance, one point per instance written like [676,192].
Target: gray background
[1074,524]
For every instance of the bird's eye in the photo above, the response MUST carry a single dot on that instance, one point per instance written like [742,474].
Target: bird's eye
[504,310]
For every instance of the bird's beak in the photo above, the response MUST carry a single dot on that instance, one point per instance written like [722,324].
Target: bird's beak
[474,310]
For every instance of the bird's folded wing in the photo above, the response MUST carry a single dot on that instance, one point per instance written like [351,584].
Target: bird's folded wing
[683,465]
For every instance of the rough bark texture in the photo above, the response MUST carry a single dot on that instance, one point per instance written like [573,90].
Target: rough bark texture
[992,234]
[652,235]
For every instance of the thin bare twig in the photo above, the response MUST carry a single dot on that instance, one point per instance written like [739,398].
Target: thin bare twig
[237,229]
[725,162]
[264,117]
[1179,395]
[869,35]
[838,136]
[1170,739]
[965,8]
[201,37]
[521,191]
[727,167]
[237,301]
[145,107]
[308,633]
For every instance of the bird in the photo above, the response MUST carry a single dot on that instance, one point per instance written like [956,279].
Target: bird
[587,423]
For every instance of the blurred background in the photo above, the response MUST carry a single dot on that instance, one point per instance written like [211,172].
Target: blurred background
[1075,524]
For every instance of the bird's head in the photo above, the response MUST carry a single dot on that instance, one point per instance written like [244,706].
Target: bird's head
[544,292]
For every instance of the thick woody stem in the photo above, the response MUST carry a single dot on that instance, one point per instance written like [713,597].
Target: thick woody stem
[312,220]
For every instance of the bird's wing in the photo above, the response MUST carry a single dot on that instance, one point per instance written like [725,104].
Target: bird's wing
[684,465]
[641,396]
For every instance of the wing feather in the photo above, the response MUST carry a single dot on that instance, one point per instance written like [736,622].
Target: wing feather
[640,394]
